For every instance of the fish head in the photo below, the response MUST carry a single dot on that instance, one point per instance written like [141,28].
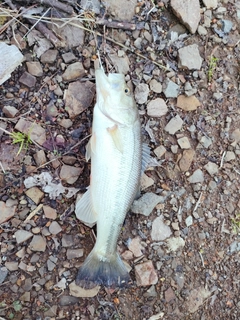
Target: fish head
[114,98]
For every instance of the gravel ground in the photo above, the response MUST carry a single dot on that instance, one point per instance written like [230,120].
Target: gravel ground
[181,241]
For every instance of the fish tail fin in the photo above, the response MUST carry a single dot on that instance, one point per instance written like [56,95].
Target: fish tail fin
[100,270]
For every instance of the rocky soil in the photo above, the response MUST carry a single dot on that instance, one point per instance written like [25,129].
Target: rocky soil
[181,240]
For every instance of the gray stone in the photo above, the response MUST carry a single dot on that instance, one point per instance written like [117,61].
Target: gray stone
[174,125]
[188,11]
[234,247]
[10,111]
[34,68]
[67,240]
[11,265]
[70,174]
[230,155]
[38,243]
[120,63]
[207,18]
[227,26]
[74,71]
[28,80]
[40,157]
[170,89]
[49,56]
[184,143]
[68,57]
[22,235]
[3,273]
[146,203]
[196,177]
[11,58]
[141,93]
[74,253]
[190,58]
[189,221]
[55,228]
[122,10]
[206,141]
[160,231]
[212,168]
[211,4]
[218,96]
[93,5]
[202,31]
[159,151]
[155,86]
[68,300]
[157,108]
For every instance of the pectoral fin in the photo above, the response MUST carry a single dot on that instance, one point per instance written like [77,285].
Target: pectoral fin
[90,147]
[84,210]
[116,137]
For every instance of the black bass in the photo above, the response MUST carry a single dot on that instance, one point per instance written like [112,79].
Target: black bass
[115,149]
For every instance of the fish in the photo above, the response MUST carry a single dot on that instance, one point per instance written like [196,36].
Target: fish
[116,153]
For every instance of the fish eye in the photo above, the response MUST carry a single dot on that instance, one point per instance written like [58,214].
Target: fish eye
[127,91]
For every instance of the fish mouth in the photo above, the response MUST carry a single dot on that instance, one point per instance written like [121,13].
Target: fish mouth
[105,84]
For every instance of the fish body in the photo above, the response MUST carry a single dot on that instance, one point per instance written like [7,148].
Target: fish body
[115,149]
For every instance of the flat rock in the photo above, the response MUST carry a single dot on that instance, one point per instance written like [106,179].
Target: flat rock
[235,136]
[145,274]
[210,4]
[120,63]
[174,125]
[212,168]
[10,111]
[206,142]
[71,36]
[146,182]
[157,108]
[188,11]
[141,93]
[184,143]
[122,10]
[74,71]
[27,80]
[34,68]
[68,57]
[160,151]
[196,177]
[74,253]
[22,235]
[49,56]
[38,243]
[49,212]
[36,132]
[230,155]
[35,194]
[188,103]
[175,243]
[77,291]
[169,295]
[155,86]
[186,160]
[40,157]
[146,203]
[160,231]
[170,89]
[55,228]
[67,300]
[11,266]
[190,58]
[7,212]
[196,298]
[3,273]
[11,58]
[135,246]
[70,174]
[67,240]
[78,97]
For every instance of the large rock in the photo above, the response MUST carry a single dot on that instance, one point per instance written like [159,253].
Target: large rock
[78,97]
[188,11]
[190,58]
[121,9]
